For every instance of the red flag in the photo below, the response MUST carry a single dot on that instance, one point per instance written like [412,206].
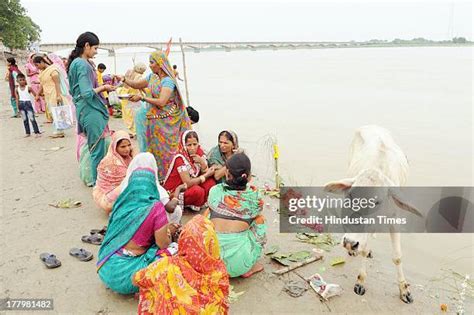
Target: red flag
[168,47]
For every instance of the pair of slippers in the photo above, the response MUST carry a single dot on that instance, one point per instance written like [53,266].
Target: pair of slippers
[51,261]
[96,236]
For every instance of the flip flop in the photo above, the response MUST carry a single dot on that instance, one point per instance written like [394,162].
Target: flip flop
[101,231]
[81,254]
[50,260]
[95,239]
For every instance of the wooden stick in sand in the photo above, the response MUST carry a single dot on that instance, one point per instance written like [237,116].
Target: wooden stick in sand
[298,264]
[184,71]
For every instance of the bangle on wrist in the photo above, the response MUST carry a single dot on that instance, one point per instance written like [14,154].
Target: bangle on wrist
[202,178]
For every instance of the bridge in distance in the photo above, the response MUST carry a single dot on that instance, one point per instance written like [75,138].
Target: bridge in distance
[198,46]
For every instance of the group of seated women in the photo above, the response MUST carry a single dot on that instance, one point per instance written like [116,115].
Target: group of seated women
[145,248]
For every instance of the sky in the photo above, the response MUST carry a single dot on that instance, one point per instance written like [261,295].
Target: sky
[245,20]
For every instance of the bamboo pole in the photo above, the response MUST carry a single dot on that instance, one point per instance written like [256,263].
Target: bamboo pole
[184,71]
[115,62]
[276,156]
[297,265]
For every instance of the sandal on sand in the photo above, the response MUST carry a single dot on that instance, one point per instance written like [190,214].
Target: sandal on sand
[95,239]
[50,260]
[248,274]
[101,231]
[81,254]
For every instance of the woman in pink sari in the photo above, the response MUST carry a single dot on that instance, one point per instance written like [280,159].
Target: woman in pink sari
[112,170]
[32,72]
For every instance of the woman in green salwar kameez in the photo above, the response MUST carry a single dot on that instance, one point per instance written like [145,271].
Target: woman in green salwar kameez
[235,208]
[92,115]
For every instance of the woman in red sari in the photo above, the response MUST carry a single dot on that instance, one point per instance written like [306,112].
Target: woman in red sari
[189,166]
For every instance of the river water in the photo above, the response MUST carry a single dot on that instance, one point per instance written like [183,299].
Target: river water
[311,101]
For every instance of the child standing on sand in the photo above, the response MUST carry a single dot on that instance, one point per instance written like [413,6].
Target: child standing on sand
[23,99]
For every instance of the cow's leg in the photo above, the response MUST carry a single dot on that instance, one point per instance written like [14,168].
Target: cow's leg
[359,287]
[405,294]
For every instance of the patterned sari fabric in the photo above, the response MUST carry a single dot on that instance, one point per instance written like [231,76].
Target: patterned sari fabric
[111,172]
[193,168]
[85,162]
[33,75]
[139,197]
[239,251]
[128,113]
[49,88]
[193,282]
[13,72]
[165,125]
[196,196]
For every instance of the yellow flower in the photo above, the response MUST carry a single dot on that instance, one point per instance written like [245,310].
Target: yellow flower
[178,285]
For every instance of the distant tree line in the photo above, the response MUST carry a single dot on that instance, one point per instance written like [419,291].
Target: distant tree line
[418,40]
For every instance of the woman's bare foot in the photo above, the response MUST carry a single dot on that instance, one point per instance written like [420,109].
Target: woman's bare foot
[255,269]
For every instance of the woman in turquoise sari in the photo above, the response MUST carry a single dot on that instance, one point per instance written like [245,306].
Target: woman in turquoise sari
[91,112]
[228,144]
[166,117]
[138,227]
[235,209]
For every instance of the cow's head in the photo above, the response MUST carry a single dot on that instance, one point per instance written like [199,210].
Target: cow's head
[374,182]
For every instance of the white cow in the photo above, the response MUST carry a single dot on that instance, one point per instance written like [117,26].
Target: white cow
[376,161]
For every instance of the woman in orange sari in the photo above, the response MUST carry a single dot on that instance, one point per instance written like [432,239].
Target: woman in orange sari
[195,281]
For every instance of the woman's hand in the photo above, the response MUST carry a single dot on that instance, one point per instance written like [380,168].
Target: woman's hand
[109,88]
[209,173]
[181,188]
[135,98]
[59,100]
[171,230]
[120,78]
[197,159]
